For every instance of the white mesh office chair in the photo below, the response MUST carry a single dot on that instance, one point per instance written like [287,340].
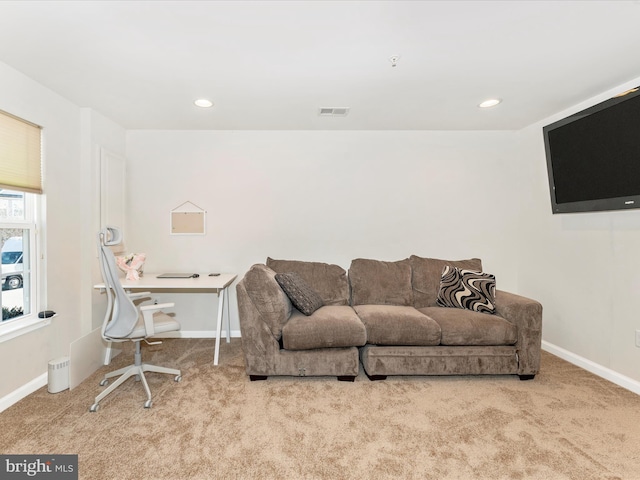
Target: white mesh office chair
[125,322]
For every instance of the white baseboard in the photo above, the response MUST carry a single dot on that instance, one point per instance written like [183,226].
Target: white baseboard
[198,334]
[23,391]
[595,368]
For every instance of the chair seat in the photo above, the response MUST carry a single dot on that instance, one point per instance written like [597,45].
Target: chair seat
[161,321]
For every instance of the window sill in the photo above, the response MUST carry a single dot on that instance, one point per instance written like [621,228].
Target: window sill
[15,328]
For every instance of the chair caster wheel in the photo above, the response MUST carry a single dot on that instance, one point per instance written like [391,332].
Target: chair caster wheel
[104,382]
[148,404]
[94,408]
[178,378]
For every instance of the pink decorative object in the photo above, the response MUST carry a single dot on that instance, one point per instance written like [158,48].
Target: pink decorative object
[131,264]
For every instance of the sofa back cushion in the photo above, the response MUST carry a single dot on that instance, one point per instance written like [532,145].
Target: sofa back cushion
[267,296]
[330,281]
[374,282]
[426,274]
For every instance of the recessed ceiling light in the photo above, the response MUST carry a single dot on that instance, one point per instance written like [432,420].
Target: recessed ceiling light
[203,103]
[492,102]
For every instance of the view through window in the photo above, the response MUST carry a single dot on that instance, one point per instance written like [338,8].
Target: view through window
[17,238]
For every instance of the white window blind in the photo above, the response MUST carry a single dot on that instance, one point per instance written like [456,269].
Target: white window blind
[20,154]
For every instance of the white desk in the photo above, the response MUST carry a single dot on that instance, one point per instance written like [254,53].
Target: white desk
[203,283]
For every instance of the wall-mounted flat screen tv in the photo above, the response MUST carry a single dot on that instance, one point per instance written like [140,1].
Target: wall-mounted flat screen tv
[593,157]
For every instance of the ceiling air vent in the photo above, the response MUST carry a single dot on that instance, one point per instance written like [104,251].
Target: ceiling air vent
[333,112]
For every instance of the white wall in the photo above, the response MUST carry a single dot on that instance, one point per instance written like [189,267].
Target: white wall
[68,133]
[584,268]
[98,133]
[62,166]
[322,196]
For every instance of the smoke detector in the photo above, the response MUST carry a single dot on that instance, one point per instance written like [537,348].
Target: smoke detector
[333,111]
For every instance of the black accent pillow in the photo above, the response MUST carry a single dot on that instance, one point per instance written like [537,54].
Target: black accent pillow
[467,289]
[303,297]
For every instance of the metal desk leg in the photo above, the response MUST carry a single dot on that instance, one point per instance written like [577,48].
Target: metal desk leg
[219,325]
[226,293]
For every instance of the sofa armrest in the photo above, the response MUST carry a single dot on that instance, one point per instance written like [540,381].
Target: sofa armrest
[259,345]
[526,314]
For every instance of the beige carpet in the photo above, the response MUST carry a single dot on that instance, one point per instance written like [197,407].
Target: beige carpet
[215,424]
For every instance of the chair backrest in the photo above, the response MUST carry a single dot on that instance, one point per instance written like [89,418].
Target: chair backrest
[122,314]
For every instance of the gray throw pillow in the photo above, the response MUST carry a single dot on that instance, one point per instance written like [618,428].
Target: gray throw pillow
[330,281]
[303,297]
[467,289]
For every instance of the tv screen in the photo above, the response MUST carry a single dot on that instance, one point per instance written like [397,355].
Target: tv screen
[593,157]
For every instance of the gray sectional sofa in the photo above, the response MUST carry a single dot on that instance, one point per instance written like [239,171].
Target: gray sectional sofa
[389,316]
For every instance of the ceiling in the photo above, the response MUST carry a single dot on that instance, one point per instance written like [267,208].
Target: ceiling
[272,64]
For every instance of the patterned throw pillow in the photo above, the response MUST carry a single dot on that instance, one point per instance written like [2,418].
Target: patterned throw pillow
[303,297]
[467,289]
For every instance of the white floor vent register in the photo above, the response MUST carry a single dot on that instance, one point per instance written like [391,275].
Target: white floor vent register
[58,375]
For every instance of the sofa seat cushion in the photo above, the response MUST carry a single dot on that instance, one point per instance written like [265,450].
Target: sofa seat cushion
[464,327]
[330,281]
[329,326]
[374,282]
[397,325]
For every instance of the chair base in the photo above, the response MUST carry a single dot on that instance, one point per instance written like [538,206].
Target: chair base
[137,369]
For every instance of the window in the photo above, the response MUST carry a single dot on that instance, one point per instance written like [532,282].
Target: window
[20,181]
[18,245]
